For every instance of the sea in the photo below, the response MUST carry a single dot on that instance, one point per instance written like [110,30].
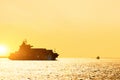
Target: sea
[61,69]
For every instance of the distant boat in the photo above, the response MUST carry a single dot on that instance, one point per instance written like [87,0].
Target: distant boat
[98,57]
[25,52]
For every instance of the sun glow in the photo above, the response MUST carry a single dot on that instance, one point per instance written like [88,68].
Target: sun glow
[3,50]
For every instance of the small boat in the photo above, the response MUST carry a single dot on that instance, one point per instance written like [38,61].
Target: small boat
[98,57]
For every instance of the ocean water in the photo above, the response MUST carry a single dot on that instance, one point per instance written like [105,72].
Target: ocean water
[62,69]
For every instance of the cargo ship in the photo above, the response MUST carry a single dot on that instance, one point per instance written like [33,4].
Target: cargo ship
[26,52]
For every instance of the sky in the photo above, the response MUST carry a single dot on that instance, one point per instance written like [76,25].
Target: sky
[74,28]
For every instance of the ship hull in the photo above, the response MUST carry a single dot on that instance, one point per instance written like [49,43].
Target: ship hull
[16,56]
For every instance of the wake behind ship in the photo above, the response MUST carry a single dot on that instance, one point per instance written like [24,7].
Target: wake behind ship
[26,52]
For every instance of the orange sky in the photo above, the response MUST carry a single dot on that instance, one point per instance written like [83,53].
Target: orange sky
[75,28]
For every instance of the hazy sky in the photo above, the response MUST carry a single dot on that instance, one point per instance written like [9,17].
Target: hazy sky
[75,28]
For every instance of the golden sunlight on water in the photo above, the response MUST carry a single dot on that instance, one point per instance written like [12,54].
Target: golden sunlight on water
[62,69]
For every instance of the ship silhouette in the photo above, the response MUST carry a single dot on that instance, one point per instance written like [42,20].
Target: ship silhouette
[26,52]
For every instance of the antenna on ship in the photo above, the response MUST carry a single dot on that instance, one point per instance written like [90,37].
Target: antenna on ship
[54,50]
[25,41]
